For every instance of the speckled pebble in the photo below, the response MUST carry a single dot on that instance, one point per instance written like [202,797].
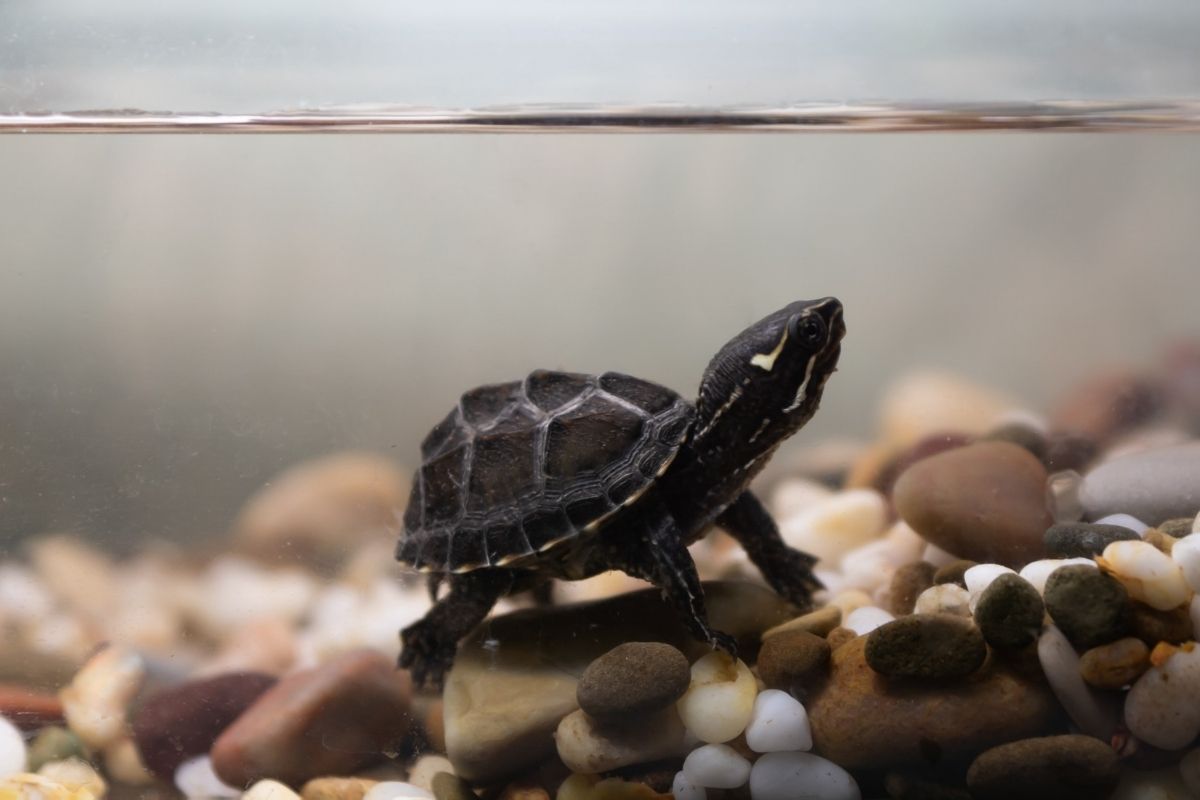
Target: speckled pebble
[776,776]
[1116,664]
[866,619]
[953,572]
[1075,539]
[719,700]
[1089,607]
[779,723]
[946,598]
[633,679]
[793,659]
[1009,612]
[929,646]
[907,584]
[1045,768]
[1161,707]
[684,788]
[1149,575]
[716,766]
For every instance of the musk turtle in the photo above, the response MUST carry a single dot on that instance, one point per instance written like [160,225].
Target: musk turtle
[562,475]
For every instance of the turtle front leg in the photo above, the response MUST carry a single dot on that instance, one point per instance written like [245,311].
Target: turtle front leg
[429,645]
[787,570]
[660,557]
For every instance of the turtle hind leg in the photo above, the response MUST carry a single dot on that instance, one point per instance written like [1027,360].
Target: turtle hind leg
[787,570]
[428,645]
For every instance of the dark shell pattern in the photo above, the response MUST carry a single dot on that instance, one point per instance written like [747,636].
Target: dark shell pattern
[517,468]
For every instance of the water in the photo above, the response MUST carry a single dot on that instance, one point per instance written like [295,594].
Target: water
[1081,116]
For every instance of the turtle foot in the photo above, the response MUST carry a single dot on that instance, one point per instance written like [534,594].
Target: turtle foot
[426,654]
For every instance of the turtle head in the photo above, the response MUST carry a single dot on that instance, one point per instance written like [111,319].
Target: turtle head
[767,381]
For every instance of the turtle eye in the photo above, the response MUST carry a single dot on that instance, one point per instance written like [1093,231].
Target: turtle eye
[809,330]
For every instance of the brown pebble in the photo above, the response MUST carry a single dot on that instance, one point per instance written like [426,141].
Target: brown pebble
[1068,451]
[448,786]
[29,709]
[793,659]
[926,646]
[820,622]
[336,788]
[1162,541]
[907,584]
[633,679]
[840,636]
[1116,664]
[660,775]
[1153,626]
[1070,767]
[953,572]
[435,726]
[911,787]
[524,790]
[1109,404]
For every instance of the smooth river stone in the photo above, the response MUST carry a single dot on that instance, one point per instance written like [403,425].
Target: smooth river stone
[515,678]
[1152,485]
[985,502]
[862,720]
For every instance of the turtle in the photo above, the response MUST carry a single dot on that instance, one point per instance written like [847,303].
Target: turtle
[563,475]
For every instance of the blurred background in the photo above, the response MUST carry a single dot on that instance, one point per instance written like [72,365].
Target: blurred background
[183,317]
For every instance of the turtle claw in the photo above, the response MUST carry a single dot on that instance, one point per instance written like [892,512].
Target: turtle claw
[425,655]
[725,642]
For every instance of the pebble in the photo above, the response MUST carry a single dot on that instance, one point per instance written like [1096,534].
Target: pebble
[396,790]
[427,765]
[1009,613]
[1075,539]
[589,787]
[196,780]
[1178,527]
[922,404]
[1068,451]
[269,790]
[1126,521]
[1149,575]
[1108,404]
[937,556]
[1038,572]
[1161,708]
[183,721]
[795,496]
[926,646]
[1159,784]
[29,709]
[930,445]
[1088,606]
[1153,626]
[1032,437]
[1045,768]
[1186,554]
[907,786]
[840,636]
[946,598]
[76,774]
[96,700]
[836,526]
[586,745]
[337,788]
[684,788]
[448,786]
[819,622]
[298,728]
[27,786]
[866,619]
[907,584]
[850,600]
[716,766]
[633,679]
[1096,714]
[980,577]
[779,723]
[1189,770]
[53,744]
[720,699]
[1160,540]
[1116,664]
[123,763]
[992,706]
[505,695]
[13,752]
[1153,485]
[953,572]
[985,502]
[793,659]
[777,776]
[79,575]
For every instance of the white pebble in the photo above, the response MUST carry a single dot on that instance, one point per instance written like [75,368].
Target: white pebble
[270,790]
[720,699]
[945,598]
[421,773]
[980,576]
[780,776]
[96,702]
[1189,770]
[1094,713]
[1186,553]
[75,774]
[396,790]
[683,788]
[716,766]
[1125,521]
[196,780]
[1161,706]
[12,749]
[837,525]
[779,722]
[866,619]
[1147,573]
[869,567]
[849,600]
[1038,572]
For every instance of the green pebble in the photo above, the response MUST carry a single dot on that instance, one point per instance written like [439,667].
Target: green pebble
[54,744]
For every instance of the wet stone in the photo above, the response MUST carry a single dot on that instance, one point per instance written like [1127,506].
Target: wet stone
[907,584]
[175,724]
[1069,451]
[1153,485]
[447,786]
[29,709]
[840,636]
[1020,434]
[953,572]
[793,659]
[633,679]
[1178,527]
[1009,612]
[1089,607]
[1074,539]
[926,646]
[819,622]
[1046,768]
[1116,664]
[1153,626]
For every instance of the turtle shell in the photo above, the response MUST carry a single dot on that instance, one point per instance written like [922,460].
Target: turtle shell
[517,468]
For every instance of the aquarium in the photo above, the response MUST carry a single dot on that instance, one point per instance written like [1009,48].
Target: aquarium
[621,400]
